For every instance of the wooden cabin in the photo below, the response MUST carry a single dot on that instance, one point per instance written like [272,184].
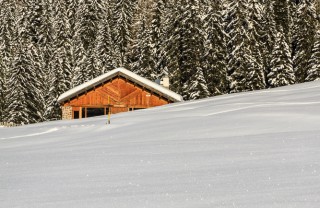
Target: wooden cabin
[119,90]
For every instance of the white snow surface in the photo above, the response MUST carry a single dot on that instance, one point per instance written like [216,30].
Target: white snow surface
[247,150]
[130,75]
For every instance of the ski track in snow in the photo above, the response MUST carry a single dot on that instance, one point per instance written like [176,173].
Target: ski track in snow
[231,96]
[35,134]
[262,105]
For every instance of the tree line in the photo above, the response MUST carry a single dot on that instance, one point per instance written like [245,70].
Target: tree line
[206,47]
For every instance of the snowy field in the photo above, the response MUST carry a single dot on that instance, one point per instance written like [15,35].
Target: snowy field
[247,150]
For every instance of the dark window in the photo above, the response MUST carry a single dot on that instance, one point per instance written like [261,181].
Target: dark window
[134,109]
[91,112]
[76,114]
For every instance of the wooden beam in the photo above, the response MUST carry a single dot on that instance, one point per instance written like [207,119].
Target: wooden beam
[80,113]
[130,95]
[105,93]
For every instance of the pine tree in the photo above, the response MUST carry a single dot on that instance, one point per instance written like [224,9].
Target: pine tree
[22,84]
[103,51]
[3,89]
[122,13]
[282,17]
[70,43]
[139,48]
[61,69]
[194,86]
[318,10]
[256,79]
[7,26]
[80,73]
[245,71]
[184,46]
[171,46]
[214,47]
[41,79]
[284,11]
[293,18]
[281,73]
[313,72]
[268,37]
[305,29]
[198,87]
[156,39]
[88,17]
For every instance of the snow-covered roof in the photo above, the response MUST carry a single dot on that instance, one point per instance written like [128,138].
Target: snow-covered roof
[124,73]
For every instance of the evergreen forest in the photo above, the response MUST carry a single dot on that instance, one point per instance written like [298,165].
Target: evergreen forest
[206,47]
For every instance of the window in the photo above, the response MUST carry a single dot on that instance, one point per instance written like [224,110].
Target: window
[91,112]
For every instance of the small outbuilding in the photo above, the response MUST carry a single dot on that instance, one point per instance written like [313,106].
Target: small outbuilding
[119,90]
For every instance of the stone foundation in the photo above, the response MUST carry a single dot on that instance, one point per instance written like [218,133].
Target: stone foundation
[66,112]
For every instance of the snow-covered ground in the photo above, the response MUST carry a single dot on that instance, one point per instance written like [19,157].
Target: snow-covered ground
[249,150]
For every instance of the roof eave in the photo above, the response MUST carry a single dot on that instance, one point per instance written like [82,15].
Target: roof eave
[119,72]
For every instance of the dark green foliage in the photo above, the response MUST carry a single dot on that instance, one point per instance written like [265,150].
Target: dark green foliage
[313,72]
[122,19]
[213,49]
[7,37]
[140,58]
[303,39]
[156,33]
[244,62]
[21,109]
[267,37]
[281,73]
[282,16]
[184,45]
[3,87]
[103,50]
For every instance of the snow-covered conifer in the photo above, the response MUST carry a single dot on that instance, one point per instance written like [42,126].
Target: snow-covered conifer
[198,87]
[22,88]
[81,58]
[283,17]
[268,36]
[242,60]
[281,73]
[304,33]
[139,56]
[313,72]
[103,49]
[7,37]
[184,46]
[122,13]
[88,16]
[156,33]
[214,50]
[171,46]
[3,89]
[256,76]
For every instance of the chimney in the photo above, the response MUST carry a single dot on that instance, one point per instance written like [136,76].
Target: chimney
[165,82]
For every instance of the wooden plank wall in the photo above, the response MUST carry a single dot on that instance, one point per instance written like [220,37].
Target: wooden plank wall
[121,94]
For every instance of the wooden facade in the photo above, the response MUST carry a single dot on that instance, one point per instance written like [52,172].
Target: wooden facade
[115,95]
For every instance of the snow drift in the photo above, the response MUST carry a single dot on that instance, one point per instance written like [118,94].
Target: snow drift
[254,149]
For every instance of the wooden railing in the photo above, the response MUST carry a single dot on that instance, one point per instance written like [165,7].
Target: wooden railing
[9,124]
